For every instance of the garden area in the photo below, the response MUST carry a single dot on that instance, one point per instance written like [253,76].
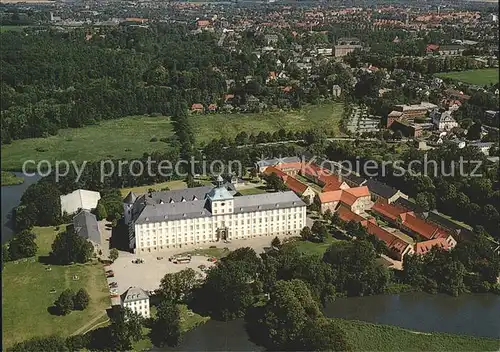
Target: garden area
[31,287]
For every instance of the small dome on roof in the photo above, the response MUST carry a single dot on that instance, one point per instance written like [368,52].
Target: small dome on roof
[219,179]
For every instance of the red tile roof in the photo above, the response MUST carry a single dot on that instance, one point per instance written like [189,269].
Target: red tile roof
[392,241]
[289,166]
[347,215]
[196,106]
[390,211]
[358,191]
[425,246]
[332,196]
[418,225]
[333,186]
[272,170]
[432,47]
[295,185]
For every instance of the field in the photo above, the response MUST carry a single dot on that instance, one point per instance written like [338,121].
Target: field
[310,248]
[127,137]
[479,77]
[325,117]
[26,295]
[373,337]
[12,28]
[9,179]
[130,137]
[178,184]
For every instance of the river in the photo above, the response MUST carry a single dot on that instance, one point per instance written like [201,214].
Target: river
[11,195]
[475,314]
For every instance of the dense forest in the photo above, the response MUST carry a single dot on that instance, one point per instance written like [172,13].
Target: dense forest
[56,80]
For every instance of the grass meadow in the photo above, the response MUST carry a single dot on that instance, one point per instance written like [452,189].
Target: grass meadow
[26,286]
[374,337]
[479,77]
[130,137]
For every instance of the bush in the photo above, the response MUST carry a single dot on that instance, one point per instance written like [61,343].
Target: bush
[64,303]
[154,139]
[81,299]
[77,342]
[40,149]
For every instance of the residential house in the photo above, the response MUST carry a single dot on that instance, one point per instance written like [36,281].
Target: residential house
[274,170]
[355,199]
[451,50]
[336,91]
[202,23]
[80,199]
[343,50]
[347,215]
[483,147]
[442,243]
[290,164]
[407,129]
[271,38]
[459,231]
[398,247]
[197,108]
[85,225]
[137,300]
[381,192]
[443,120]
[346,45]
[325,51]
[212,108]
[408,222]
[301,189]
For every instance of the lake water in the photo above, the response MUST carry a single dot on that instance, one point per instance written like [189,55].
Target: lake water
[11,195]
[477,314]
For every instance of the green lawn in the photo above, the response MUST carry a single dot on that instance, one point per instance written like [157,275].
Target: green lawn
[309,248]
[9,179]
[479,77]
[130,137]
[325,117]
[126,137]
[177,184]
[12,28]
[373,337]
[253,190]
[26,294]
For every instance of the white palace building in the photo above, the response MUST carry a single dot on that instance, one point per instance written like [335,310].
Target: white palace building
[193,217]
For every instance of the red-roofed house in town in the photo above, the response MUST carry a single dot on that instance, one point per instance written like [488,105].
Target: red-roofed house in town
[303,190]
[397,246]
[197,108]
[425,246]
[355,199]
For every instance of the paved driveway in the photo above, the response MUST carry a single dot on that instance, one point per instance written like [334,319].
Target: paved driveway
[149,274]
